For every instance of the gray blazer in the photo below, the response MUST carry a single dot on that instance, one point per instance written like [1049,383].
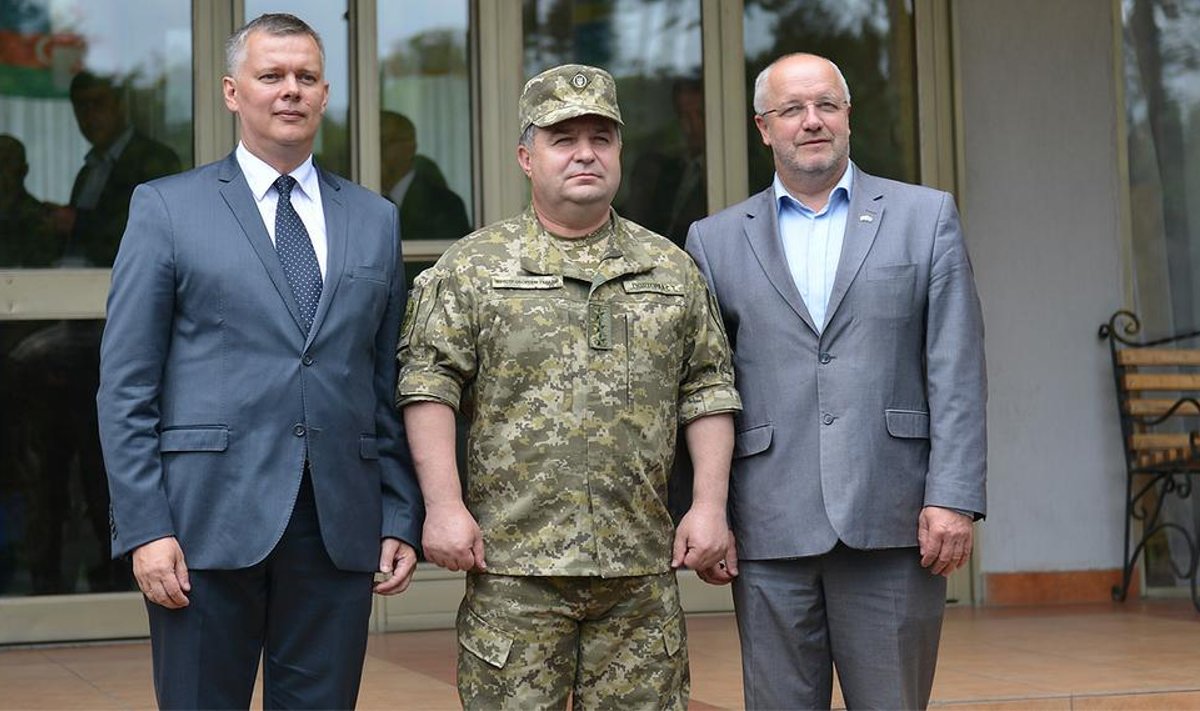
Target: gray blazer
[847,433]
[211,394]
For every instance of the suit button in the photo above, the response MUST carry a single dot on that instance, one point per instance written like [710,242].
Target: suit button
[307,359]
[298,430]
[827,419]
[824,358]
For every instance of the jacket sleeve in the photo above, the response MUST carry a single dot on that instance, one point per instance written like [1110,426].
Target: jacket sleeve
[403,508]
[956,374]
[133,352]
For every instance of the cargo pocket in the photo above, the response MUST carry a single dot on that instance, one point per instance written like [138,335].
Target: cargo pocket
[490,644]
[672,633]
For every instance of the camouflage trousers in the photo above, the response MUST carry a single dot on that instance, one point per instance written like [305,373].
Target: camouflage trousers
[530,642]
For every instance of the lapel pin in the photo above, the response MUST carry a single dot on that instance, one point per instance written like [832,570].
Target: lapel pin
[865,218]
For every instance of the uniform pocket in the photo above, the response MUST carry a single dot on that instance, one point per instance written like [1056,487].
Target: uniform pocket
[673,634]
[489,643]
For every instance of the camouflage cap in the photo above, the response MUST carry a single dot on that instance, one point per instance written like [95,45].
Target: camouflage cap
[567,91]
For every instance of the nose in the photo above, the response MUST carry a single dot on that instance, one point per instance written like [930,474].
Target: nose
[811,120]
[585,153]
[291,86]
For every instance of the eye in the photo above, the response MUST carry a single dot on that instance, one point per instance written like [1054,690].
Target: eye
[791,111]
[268,76]
[827,107]
[308,78]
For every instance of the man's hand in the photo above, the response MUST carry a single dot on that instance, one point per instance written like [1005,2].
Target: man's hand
[701,539]
[724,570]
[945,538]
[162,573]
[451,537]
[399,560]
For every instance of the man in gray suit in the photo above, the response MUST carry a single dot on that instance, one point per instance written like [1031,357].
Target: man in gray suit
[860,456]
[247,368]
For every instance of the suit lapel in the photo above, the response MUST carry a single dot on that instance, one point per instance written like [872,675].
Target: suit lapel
[236,193]
[862,224]
[336,234]
[762,231]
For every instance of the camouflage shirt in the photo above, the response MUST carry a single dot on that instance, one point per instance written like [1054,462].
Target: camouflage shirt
[574,387]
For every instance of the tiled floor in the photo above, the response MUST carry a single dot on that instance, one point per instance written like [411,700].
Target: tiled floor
[1133,656]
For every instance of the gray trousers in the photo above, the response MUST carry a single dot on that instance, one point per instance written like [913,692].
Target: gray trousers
[874,615]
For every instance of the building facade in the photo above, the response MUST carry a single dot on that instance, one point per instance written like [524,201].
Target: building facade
[1065,128]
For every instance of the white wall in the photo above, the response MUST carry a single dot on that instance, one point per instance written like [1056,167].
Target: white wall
[1040,199]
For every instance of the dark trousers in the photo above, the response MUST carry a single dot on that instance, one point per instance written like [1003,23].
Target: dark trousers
[875,615]
[304,617]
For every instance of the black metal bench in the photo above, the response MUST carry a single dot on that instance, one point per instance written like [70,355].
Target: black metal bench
[1158,396]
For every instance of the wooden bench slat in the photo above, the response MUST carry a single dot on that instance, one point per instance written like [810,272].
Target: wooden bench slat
[1159,356]
[1161,381]
[1172,458]
[1149,407]
[1155,440]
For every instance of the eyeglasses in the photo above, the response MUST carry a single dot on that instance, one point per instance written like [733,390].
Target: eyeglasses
[824,107]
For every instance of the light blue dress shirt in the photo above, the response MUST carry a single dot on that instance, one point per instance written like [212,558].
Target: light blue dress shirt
[812,242]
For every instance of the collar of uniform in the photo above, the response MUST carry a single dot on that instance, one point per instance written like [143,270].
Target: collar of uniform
[539,256]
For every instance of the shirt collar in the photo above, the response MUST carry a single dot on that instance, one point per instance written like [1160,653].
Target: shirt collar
[260,176]
[114,151]
[843,188]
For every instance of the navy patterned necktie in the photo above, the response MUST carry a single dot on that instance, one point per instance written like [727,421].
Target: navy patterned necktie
[296,252]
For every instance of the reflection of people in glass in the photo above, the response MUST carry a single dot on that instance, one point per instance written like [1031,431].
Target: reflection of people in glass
[428,208]
[26,238]
[120,158]
[671,187]
[52,374]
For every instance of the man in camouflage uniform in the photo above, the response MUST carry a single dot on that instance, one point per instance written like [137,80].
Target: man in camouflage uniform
[576,342]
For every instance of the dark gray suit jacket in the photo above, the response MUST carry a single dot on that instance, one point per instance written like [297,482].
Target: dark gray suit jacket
[212,395]
[848,432]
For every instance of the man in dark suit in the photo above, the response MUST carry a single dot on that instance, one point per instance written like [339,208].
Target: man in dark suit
[860,456]
[245,401]
[428,208]
[120,159]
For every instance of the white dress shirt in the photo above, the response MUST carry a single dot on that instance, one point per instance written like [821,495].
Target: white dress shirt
[306,198]
[812,242]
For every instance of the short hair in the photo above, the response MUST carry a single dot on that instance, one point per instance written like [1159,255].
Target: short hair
[12,145]
[277,24]
[86,80]
[403,124]
[760,82]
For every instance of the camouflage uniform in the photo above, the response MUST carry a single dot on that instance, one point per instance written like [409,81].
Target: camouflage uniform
[575,381]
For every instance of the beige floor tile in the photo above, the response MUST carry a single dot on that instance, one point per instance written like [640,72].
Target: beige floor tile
[1136,656]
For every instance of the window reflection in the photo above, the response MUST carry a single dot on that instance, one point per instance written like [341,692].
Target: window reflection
[54,534]
[872,42]
[425,127]
[94,99]
[653,50]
